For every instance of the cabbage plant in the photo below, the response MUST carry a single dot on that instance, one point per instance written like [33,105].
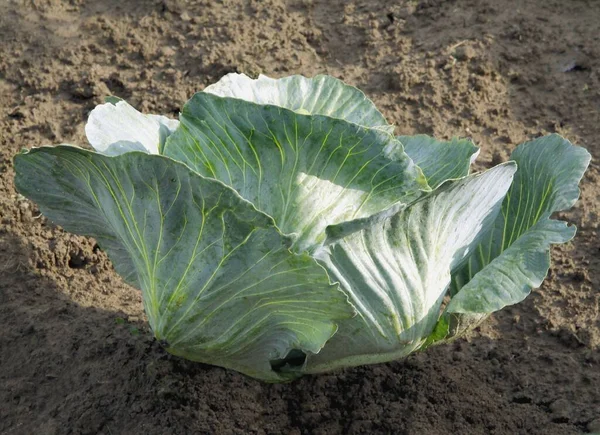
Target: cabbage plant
[279,228]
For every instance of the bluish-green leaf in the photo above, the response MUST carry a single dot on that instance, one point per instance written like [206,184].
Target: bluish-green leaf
[112,99]
[320,95]
[219,283]
[440,160]
[397,268]
[515,255]
[307,172]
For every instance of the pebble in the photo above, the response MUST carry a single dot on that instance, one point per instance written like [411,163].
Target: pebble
[167,51]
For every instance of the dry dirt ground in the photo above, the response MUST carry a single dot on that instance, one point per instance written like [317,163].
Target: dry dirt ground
[75,353]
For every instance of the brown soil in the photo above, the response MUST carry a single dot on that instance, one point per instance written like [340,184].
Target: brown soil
[76,355]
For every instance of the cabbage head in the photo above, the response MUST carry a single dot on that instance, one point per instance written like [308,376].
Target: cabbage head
[280,228]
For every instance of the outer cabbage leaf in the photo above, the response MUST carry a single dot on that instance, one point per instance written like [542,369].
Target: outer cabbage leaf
[219,283]
[320,95]
[116,127]
[306,172]
[396,269]
[515,255]
[440,160]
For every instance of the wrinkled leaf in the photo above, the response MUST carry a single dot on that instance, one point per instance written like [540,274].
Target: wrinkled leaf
[116,127]
[306,172]
[440,160]
[219,283]
[320,95]
[515,255]
[397,269]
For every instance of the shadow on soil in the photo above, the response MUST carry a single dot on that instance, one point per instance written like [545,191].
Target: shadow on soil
[89,370]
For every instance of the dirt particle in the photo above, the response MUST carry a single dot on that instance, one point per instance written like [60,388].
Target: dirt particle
[77,259]
[464,53]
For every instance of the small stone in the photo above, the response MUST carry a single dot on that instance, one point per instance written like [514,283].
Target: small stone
[167,51]
[185,17]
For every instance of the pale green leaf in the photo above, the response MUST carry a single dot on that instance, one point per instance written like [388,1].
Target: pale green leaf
[112,99]
[307,172]
[440,160]
[116,127]
[320,95]
[515,255]
[396,269]
[219,283]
